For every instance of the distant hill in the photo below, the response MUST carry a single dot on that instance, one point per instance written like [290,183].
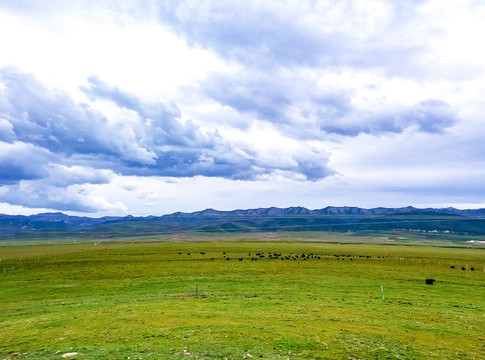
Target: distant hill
[331,218]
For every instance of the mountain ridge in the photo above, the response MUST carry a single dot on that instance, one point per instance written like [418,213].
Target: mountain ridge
[273,211]
[294,218]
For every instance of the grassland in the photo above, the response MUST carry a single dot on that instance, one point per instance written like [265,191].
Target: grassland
[137,300]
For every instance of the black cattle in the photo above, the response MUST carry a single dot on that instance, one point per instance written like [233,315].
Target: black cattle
[203,253]
[472,269]
[463,268]
[452,266]
[188,253]
[180,253]
[430,281]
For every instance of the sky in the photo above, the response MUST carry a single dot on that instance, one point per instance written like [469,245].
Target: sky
[148,107]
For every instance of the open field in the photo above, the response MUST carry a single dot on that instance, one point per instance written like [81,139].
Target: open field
[137,300]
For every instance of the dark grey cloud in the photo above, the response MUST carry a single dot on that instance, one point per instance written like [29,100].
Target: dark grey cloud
[275,44]
[19,161]
[50,144]
[51,119]
[431,116]
[6,131]
[298,34]
[55,186]
[29,177]
[160,124]
[253,94]
[303,109]
[287,100]
[37,194]
[267,35]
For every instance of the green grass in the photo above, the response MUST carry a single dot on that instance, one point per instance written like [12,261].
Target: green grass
[137,300]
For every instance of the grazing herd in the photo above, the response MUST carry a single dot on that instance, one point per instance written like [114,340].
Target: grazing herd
[279,256]
[304,257]
[274,256]
[463,268]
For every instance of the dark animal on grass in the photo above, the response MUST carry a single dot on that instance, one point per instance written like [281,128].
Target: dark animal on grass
[463,268]
[430,281]
[452,266]
[472,269]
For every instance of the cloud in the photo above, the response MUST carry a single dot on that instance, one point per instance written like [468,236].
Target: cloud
[432,116]
[62,175]
[30,177]
[6,131]
[301,65]
[240,91]
[98,89]
[159,122]
[22,161]
[39,194]
[305,107]
[54,142]
[53,120]
[365,34]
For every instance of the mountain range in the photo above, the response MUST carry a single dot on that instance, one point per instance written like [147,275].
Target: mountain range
[331,218]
